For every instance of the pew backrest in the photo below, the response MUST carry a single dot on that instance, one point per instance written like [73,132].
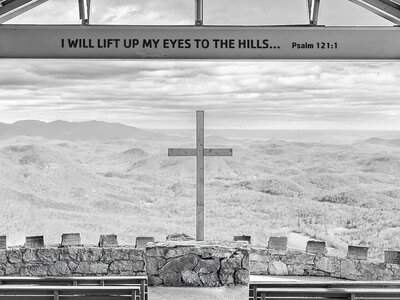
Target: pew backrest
[140,281]
[329,293]
[55,292]
[257,288]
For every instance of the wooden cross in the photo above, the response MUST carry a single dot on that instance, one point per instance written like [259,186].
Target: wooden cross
[199,152]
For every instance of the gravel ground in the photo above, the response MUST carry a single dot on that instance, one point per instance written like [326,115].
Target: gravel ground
[224,293]
[189,293]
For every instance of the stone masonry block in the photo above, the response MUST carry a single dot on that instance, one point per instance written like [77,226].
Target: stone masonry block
[109,240]
[71,239]
[356,252]
[141,241]
[34,242]
[277,243]
[242,238]
[392,257]
[316,247]
[3,242]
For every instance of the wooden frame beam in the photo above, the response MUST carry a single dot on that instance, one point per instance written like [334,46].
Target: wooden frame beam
[84,11]
[313,11]
[204,42]
[200,152]
[200,175]
[387,9]
[207,152]
[17,7]
[198,4]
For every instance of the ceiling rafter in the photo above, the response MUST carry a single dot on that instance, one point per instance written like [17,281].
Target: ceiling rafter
[10,9]
[313,11]
[387,9]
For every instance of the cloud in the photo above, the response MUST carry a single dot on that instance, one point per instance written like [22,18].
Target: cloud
[235,94]
[162,93]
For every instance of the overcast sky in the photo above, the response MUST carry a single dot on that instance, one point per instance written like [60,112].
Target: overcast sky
[165,94]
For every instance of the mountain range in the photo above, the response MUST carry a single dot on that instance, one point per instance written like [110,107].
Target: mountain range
[71,131]
[97,178]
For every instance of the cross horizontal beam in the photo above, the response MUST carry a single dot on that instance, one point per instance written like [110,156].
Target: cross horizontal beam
[193,152]
[200,42]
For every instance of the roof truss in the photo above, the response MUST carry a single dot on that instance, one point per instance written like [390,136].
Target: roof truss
[10,9]
[388,9]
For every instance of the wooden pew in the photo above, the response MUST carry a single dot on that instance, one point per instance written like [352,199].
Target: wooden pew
[259,287]
[56,292]
[139,281]
[329,293]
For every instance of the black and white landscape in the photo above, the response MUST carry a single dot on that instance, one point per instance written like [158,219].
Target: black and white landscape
[316,144]
[96,177]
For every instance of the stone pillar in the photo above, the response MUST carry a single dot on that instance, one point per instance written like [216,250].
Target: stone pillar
[71,239]
[198,264]
[277,243]
[392,257]
[34,242]
[316,247]
[242,238]
[109,240]
[3,242]
[357,252]
[141,241]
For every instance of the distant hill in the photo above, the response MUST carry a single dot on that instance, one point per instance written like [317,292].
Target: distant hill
[386,142]
[63,130]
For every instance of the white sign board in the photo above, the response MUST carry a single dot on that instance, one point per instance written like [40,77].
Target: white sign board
[202,42]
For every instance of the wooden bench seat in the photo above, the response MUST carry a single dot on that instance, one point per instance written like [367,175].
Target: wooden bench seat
[294,290]
[58,292]
[326,284]
[328,293]
[138,281]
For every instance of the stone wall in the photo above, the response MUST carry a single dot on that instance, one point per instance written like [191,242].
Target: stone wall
[170,263]
[265,261]
[197,264]
[191,263]
[72,261]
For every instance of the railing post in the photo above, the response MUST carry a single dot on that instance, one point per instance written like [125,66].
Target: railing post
[142,289]
[133,295]
[198,12]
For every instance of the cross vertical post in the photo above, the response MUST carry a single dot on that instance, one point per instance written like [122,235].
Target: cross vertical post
[200,176]
[200,152]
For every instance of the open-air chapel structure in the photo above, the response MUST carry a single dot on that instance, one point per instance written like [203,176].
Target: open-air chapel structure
[109,271]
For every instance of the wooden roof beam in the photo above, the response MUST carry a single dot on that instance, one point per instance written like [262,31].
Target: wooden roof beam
[313,11]
[84,11]
[390,10]
[13,8]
